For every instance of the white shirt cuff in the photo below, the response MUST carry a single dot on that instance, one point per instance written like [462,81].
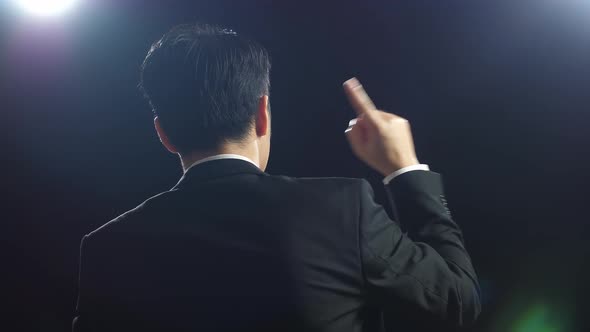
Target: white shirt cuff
[420,167]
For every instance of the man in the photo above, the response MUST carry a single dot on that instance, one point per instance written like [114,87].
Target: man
[231,248]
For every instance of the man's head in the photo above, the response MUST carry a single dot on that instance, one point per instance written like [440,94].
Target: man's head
[208,88]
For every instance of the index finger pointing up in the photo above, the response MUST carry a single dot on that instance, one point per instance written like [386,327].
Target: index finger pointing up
[358,97]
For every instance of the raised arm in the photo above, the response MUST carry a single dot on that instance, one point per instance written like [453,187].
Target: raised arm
[427,267]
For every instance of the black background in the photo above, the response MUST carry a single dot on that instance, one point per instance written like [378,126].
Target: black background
[498,94]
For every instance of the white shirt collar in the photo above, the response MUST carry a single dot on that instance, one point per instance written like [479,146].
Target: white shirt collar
[221,156]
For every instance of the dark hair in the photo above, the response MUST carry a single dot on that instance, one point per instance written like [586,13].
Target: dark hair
[204,83]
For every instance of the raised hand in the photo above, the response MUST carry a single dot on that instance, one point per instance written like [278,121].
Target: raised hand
[381,140]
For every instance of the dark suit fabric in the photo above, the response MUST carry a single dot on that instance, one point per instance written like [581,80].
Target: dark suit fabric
[231,248]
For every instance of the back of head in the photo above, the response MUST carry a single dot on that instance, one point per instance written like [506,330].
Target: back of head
[204,83]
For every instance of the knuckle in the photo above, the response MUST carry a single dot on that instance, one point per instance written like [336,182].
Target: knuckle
[402,122]
[397,120]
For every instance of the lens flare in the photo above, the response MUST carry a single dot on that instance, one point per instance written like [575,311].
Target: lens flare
[45,7]
[542,318]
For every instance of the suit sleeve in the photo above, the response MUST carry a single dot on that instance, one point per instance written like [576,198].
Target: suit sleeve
[77,324]
[427,267]
[86,304]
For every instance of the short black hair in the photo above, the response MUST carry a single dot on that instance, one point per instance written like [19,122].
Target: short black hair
[204,83]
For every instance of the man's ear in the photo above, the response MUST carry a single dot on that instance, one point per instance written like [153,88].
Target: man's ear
[262,117]
[163,137]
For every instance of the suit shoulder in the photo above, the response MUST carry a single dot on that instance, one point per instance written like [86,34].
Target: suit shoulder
[122,219]
[321,188]
[318,182]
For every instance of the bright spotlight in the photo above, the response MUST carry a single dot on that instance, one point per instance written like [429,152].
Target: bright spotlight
[45,7]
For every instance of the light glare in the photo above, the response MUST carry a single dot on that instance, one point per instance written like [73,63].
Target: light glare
[45,7]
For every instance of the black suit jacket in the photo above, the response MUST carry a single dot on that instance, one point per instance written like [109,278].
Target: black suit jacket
[231,248]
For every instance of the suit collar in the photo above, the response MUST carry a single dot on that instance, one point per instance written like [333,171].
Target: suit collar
[216,169]
[221,156]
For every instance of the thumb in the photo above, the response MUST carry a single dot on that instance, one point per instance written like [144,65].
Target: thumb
[356,135]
